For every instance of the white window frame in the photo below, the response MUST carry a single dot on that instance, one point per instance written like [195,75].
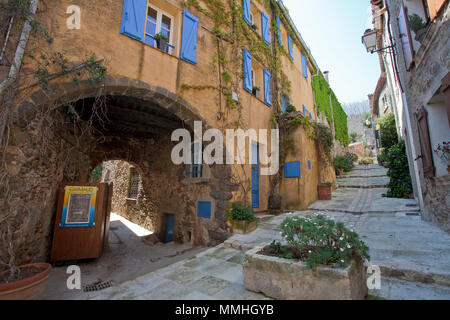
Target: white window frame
[159,13]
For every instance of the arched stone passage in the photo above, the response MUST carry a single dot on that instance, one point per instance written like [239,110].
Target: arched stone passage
[142,118]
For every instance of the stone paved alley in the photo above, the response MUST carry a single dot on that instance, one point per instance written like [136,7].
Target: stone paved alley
[414,255]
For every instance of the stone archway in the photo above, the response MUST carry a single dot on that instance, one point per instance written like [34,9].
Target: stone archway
[142,118]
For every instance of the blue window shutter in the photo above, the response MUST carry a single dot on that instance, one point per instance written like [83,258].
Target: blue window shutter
[204,209]
[265,28]
[290,47]
[283,104]
[189,38]
[304,66]
[305,111]
[267,93]
[279,29]
[247,70]
[310,116]
[292,169]
[133,18]
[246,7]
[309,164]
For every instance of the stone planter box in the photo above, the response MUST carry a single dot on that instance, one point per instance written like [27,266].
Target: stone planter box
[243,227]
[292,280]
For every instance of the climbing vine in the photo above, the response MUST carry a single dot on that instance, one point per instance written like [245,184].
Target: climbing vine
[36,124]
[334,114]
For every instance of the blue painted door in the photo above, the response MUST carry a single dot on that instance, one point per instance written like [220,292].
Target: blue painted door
[170,223]
[255,176]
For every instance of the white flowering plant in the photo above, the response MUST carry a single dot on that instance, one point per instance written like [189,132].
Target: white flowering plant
[318,240]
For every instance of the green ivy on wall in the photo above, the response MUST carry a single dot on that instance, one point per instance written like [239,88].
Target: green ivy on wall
[322,92]
[340,121]
[322,95]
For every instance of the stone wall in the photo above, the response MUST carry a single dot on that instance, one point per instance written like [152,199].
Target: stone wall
[359,148]
[140,210]
[437,197]
[432,64]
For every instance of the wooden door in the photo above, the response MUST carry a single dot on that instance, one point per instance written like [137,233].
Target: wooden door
[170,225]
[255,176]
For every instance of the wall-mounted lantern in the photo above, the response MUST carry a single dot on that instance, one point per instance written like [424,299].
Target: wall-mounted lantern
[369,39]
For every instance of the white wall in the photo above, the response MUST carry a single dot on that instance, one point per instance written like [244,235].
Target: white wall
[439,131]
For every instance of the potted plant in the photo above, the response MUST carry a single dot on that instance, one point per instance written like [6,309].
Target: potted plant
[318,259]
[324,191]
[161,41]
[443,151]
[290,108]
[255,90]
[242,219]
[23,282]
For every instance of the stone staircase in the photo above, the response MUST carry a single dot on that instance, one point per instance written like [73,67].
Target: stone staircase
[413,255]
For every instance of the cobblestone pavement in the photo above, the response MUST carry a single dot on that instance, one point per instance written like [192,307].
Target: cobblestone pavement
[413,255]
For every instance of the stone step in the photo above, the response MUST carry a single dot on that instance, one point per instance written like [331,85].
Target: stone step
[416,276]
[394,289]
[264,217]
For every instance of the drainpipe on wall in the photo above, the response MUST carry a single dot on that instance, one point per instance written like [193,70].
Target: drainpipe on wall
[18,57]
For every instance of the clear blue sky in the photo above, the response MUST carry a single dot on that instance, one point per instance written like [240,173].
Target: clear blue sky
[332,29]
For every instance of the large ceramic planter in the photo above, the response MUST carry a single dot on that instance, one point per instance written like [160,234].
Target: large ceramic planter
[324,192]
[30,288]
[243,227]
[292,280]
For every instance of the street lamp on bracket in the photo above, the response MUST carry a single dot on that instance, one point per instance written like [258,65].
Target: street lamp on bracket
[369,39]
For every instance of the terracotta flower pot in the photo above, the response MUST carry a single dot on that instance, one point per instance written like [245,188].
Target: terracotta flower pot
[324,192]
[30,288]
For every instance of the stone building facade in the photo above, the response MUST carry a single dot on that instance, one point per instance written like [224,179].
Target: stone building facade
[417,72]
[62,127]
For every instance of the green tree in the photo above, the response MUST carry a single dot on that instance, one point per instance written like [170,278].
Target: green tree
[388,131]
[353,136]
[400,185]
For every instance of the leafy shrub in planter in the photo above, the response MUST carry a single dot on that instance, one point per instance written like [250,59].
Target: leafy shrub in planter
[242,213]
[345,163]
[366,161]
[351,157]
[400,180]
[319,241]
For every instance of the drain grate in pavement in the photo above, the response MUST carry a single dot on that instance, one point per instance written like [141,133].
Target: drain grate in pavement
[97,286]
[412,213]
[411,205]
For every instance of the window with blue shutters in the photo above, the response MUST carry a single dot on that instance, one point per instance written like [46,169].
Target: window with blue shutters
[292,169]
[309,164]
[279,30]
[204,209]
[267,93]
[304,66]
[246,7]
[265,28]
[189,38]
[133,18]
[247,64]
[305,111]
[291,53]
